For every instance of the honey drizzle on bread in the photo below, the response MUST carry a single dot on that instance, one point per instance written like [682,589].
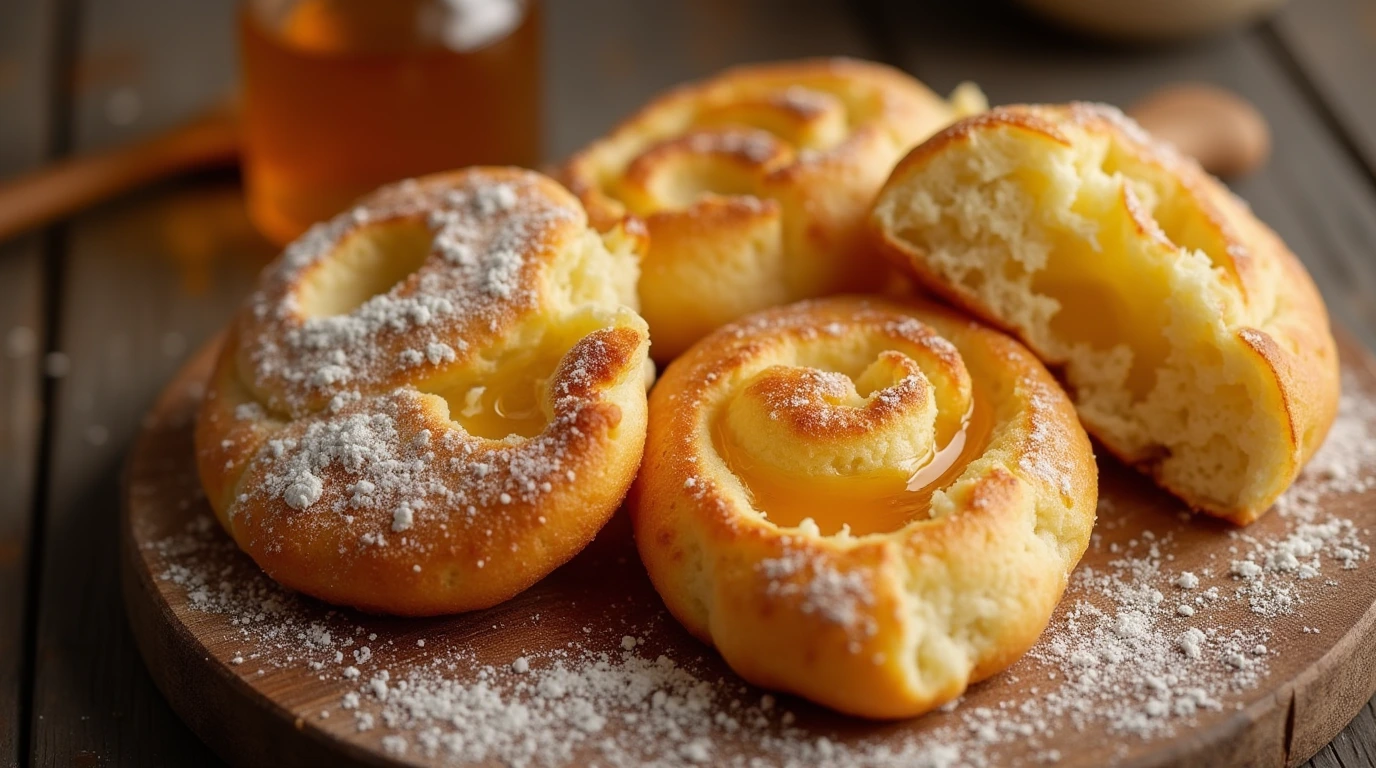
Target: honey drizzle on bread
[860,505]
[770,419]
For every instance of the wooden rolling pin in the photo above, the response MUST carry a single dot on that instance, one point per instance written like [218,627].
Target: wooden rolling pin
[56,191]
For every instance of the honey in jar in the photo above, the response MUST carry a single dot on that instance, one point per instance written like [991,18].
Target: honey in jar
[342,96]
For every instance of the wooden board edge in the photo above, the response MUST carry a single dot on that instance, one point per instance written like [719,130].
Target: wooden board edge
[1303,715]
[1275,730]
[174,656]
[1317,716]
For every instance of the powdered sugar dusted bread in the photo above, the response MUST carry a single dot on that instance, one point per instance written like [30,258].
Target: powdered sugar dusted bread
[754,185]
[433,400]
[868,503]
[1193,342]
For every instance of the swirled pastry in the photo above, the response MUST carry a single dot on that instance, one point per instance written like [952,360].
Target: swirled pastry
[433,400]
[754,185]
[1192,340]
[867,503]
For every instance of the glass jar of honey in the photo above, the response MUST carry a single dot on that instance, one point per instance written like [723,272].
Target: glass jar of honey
[341,96]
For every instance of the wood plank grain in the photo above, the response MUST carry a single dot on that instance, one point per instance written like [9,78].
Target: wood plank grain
[1310,192]
[1355,747]
[1333,43]
[607,57]
[25,82]
[21,411]
[153,275]
[144,279]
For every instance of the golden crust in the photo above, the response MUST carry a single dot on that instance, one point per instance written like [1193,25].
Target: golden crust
[361,440]
[895,621]
[1259,292]
[751,183]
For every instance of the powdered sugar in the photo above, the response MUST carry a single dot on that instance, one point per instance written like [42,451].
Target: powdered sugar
[807,103]
[599,700]
[358,442]
[1043,457]
[1127,658]
[477,276]
[756,146]
[1119,666]
[839,597]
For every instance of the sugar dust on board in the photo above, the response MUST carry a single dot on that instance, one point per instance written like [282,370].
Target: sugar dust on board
[342,96]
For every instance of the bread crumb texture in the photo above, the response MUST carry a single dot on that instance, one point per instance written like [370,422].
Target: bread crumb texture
[1193,342]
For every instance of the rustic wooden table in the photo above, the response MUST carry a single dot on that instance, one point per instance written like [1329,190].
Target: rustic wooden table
[97,313]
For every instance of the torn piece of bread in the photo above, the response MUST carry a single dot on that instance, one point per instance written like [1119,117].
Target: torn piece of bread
[1193,342]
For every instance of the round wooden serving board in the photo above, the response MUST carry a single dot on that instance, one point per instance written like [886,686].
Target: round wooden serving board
[263,676]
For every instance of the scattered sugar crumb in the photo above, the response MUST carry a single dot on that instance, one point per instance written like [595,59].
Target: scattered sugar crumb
[1128,652]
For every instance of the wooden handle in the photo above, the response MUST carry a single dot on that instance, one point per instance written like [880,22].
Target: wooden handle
[1223,131]
[61,189]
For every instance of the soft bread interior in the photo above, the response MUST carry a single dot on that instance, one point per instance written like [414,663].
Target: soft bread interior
[1106,266]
